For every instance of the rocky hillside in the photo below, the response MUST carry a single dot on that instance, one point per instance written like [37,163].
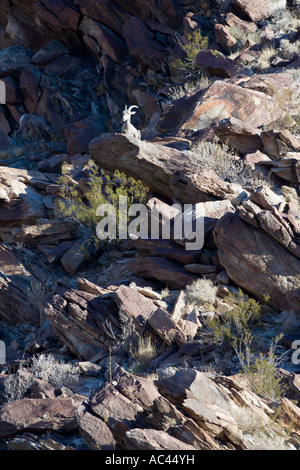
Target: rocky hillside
[144,344]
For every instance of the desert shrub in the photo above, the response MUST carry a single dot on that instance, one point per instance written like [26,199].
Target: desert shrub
[103,189]
[192,44]
[262,375]
[143,354]
[202,81]
[242,36]
[141,350]
[264,60]
[16,385]
[289,50]
[235,328]
[224,162]
[44,367]
[260,432]
[57,373]
[201,292]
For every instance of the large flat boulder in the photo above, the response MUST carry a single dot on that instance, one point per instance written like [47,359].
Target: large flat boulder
[37,415]
[257,10]
[154,163]
[257,262]
[256,101]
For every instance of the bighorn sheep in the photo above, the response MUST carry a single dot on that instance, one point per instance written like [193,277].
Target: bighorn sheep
[32,127]
[127,127]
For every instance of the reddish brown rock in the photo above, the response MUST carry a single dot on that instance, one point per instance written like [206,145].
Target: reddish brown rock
[95,432]
[110,43]
[15,283]
[143,45]
[219,65]
[257,10]
[37,415]
[58,13]
[119,413]
[258,263]
[105,12]
[150,439]
[154,163]
[52,50]
[239,135]
[80,133]
[225,38]
[165,271]
[225,99]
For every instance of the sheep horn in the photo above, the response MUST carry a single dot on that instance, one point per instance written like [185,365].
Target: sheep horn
[131,107]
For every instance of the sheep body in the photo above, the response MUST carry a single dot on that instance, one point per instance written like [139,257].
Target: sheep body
[127,127]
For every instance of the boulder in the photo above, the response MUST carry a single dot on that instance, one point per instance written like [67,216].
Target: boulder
[80,133]
[150,439]
[94,431]
[13,60]
[15,290]
[119,413]
[167,272]
[153,162]
[110,43]
[239,135]
[107,13]
[80,320]
[52,50]
[222,100]
[37,415]
[61,14]
[257,10]
[257,262]
[143,46]
[219,65]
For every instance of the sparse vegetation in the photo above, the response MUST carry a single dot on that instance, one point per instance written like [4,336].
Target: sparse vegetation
[44,367]
[264,60]
[201,293]
[227,164]
[191,45]
[16,385]
[102,189]
[57,373]
[140,349]
[260,432]
[235,328]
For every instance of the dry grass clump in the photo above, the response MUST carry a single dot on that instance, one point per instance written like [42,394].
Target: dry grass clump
[224,162]
[16,385]
[260,432]
[44,367]
[265,58]
[57,373]
[140,349]
[286,20]
[143,354]
[176,92]
[289,50]
[201,293]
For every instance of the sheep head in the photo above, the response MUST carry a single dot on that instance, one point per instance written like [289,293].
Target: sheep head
[127,113]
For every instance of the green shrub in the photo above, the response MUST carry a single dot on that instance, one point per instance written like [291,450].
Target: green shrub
[103,189]
[235,328]
[194,44]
